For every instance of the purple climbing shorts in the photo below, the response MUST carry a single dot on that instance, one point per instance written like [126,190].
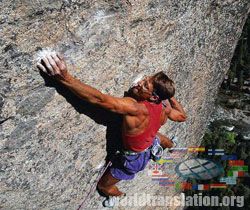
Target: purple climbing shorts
[124,167]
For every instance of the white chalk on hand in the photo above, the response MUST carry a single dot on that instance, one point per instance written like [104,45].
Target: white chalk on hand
[43,53]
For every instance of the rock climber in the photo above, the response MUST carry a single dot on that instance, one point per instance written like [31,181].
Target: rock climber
[146,107]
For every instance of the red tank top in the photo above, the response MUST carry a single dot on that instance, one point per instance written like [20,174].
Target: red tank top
[144,140]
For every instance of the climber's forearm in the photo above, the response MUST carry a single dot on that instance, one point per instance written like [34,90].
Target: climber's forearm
[82,90]
[177,106]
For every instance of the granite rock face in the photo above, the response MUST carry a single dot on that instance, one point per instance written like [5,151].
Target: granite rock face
[52,144]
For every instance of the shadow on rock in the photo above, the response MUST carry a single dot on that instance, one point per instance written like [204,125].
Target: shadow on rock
[111,120]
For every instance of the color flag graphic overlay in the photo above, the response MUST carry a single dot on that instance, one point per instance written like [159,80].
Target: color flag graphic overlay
[228,180]
[239,168]
[238,173]
[165,160]
[231,173]
[218,185]
[236,163]
[179,149]
[215,151]
[178,186]
[173,176]
[200,187]
[160,178]
[203,187]
[166,184]
[196,149]
[186,186]
[155,169]
[229,157]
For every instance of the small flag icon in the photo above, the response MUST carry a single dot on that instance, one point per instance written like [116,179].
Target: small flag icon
[229,157]
[155,169]
[179,149]
[200,187]
[236,162]
[231,173]
[239,168]
[215,151]
[166,183]
[196,149]
[178,186]
[219,185]
[186,186]
[159,179]
[166,175]
[165,160]
[203,186]
[238,173]
[228,180]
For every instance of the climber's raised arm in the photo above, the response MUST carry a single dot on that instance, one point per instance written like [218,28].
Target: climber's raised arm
[55,66]
[177,113]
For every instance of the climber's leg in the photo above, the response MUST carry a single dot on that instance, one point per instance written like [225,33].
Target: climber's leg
[107,185]
[165,142]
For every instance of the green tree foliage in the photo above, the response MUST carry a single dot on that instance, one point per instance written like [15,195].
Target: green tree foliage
[231,142]
[240,65]
[230,136]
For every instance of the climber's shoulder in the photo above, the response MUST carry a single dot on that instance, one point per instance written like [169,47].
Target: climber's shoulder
[125,105]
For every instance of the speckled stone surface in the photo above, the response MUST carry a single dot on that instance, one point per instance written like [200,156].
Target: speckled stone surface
[51,143]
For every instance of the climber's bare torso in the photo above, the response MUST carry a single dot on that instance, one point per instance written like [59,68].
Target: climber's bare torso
[134,125]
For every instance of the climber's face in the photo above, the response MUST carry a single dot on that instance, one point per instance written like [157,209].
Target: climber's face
[142,89]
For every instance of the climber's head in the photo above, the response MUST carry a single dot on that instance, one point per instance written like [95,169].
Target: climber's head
[164,87]
[152,88]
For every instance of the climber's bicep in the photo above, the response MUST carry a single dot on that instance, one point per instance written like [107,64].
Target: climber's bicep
[124,105]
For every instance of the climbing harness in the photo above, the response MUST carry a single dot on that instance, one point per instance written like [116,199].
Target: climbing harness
[92,189]
[156,152]
[129,152]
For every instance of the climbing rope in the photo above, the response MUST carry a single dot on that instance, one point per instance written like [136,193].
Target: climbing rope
[92,189]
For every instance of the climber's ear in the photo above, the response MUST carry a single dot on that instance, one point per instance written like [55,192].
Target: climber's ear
[154,97]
